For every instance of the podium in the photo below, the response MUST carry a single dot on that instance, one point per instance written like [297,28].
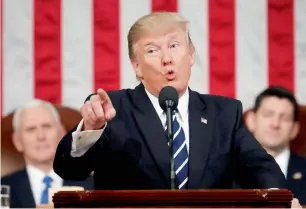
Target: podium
[255,198]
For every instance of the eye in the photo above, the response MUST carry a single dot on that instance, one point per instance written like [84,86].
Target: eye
[153,51]
[150,51]
[174,45]
[30,129]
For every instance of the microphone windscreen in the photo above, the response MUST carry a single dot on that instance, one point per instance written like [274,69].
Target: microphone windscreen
[168,93]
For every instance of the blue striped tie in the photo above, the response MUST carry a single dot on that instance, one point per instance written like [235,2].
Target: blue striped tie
[180,155]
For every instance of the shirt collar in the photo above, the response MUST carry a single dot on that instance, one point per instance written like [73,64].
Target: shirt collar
[182,105]
[38,175]
[282,160]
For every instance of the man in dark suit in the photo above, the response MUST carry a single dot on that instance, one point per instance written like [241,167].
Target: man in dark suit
[122,134]
[37,131]
[274,122]
[22,195]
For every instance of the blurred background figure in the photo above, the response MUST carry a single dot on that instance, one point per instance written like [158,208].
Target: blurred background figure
[274,122]
[37,131]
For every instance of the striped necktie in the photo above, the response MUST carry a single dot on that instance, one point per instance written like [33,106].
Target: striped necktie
[180,154]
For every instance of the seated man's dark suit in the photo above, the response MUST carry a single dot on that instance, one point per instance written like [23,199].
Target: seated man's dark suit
[296,177]
[21,194]
[132,152]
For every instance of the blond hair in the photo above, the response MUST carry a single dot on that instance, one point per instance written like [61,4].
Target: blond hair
[155,22]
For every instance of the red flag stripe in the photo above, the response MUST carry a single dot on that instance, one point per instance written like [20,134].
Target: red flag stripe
[47,50]
[222,47]
[106,44]
[281,43]
[162,5]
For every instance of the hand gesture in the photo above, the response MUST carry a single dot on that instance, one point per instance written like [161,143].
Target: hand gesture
[97,111]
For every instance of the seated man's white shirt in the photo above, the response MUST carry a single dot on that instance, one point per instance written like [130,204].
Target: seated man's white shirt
[283,160]
[36,177]
[83,140]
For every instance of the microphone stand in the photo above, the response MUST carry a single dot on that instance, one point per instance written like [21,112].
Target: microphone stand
[170,138]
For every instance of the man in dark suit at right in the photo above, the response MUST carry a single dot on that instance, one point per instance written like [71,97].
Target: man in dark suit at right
[274,122]
[122,136]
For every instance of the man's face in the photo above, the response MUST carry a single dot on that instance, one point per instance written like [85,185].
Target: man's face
[164,59]
[38,136]
[273,123]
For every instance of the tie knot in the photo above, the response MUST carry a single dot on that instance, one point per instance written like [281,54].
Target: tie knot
[47,180]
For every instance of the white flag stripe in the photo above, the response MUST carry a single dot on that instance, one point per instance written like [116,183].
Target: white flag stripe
[18,65]
[251,50]
[300,50]
[130,11]
[77,51]
[196,12]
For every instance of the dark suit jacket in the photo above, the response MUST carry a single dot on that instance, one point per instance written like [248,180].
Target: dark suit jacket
[21,194]
[296,177]
[132,153]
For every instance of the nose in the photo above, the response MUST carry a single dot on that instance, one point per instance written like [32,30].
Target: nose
[40,134]
[167,58]
[275,123]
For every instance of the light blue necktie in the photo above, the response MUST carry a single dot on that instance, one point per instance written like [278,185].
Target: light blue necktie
[180,154]
[44,196]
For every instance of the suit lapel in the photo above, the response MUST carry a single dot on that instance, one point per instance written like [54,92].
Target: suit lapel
[200,125]
[24,193]
[294,175]
[152,130]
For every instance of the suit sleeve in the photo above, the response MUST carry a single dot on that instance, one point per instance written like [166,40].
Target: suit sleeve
[255,167]
[75,160]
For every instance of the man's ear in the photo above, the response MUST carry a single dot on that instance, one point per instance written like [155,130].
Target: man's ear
[250,120]
[17,143]
[295,130]
[192,53]
[137,68]
[62,130]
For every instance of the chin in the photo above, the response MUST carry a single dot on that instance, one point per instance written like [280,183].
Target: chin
[274,146]
[176,84]
[45,156]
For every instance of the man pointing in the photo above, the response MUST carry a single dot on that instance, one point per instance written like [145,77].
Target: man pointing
[97,111]
[122,135]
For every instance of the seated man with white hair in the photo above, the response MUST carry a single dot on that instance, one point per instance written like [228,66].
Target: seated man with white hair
[37,132]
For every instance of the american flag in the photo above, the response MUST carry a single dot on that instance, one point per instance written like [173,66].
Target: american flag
[203,120]
[63,50]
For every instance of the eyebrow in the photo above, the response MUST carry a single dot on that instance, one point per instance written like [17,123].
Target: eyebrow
[150,43]
[171,37]
[153,43]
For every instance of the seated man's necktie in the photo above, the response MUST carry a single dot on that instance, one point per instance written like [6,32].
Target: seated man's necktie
[44,196]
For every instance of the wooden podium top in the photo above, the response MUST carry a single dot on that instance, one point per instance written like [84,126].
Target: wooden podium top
[174,198]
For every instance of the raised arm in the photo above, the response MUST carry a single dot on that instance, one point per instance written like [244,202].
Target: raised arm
[75,152]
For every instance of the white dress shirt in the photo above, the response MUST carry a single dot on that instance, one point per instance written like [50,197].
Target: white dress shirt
[282,160]
[36,177]
[83,140]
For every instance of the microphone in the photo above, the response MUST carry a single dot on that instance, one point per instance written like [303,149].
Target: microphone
[168,101]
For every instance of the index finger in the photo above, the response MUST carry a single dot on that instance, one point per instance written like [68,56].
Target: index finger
[103,96]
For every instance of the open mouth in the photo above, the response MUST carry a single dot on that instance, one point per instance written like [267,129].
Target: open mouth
[170,75]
